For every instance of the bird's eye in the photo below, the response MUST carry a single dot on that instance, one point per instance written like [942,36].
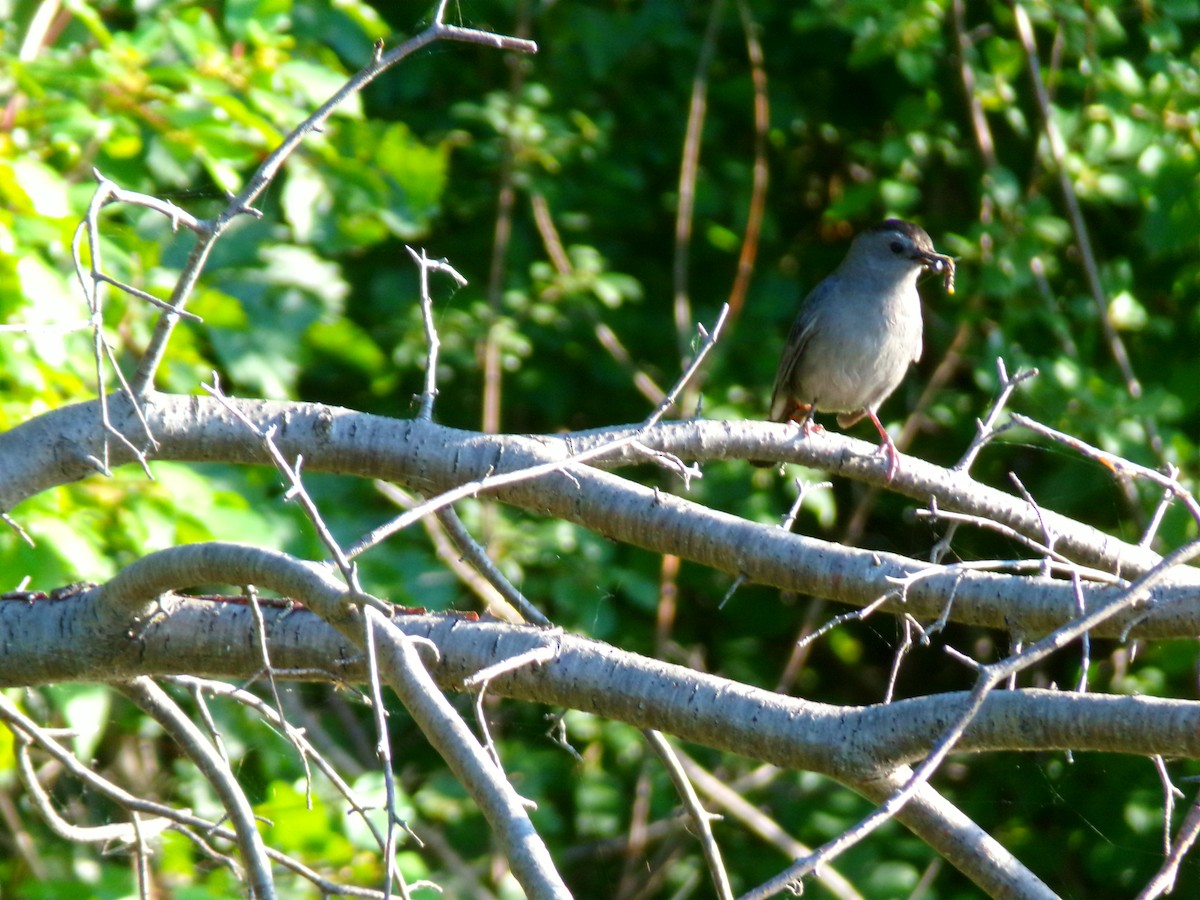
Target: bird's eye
[897,247]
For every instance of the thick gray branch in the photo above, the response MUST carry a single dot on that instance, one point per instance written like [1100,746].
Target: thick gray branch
[53,449]
[52,641]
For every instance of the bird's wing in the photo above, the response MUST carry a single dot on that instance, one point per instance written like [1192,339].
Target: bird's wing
[782,398]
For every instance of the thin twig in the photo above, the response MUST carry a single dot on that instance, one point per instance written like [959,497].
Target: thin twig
[1085,649]
[493,481]
[483,678]
[451,526]
[803,489]
[1164,881]
[1160,510]
[150,698]
[756,210]
[93,834]
[731,799]
[296,736]
[857,615]
[426,265]
[899,655]
[478,486]
[383,750]
[935,513]
[537,656]
[1048,536]
[689,164]
[1118,465]
[699,815]
[260,632]
[503,808]
[710,339]
[296,490]
[91,285]
[187,824]
[1170,793]
[986,429]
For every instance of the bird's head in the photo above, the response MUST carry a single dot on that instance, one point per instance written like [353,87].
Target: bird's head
[898,250]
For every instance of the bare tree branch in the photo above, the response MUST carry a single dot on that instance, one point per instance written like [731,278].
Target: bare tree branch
[153,700]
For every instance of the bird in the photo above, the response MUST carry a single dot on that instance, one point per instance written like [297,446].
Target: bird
[857,332]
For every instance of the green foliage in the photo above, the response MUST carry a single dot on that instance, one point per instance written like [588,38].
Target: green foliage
[316,301]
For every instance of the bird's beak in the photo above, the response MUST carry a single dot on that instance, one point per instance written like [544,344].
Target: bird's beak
[939,262]
[935,261]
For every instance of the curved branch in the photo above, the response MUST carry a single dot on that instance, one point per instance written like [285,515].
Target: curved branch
[432,458]
[154,701]
[215,638]
[143,581]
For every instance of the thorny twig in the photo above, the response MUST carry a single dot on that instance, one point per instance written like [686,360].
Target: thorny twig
[96,834]
[856,615]
[731,797]
[383,749]
[296,736]
[91,285]
[260,632]
[427,265]
[985,429]
[1170,793]
[803,488]
[1048,536]
[183,821]
[708,341]
[154,701]
[935,513]
[1119,466]
[536,656]
[1160,510]
[699,816]
[492,481]
[296,491]
[1085,662]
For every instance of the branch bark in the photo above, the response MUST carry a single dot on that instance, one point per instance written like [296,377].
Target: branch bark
[215,639]
[431,458]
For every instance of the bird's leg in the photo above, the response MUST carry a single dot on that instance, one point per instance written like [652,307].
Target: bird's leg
[888,447]
[804,414]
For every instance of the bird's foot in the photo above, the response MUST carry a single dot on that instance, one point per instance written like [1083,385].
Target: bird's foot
[809,426]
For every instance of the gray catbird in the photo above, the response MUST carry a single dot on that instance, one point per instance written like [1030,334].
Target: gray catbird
[858,331]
